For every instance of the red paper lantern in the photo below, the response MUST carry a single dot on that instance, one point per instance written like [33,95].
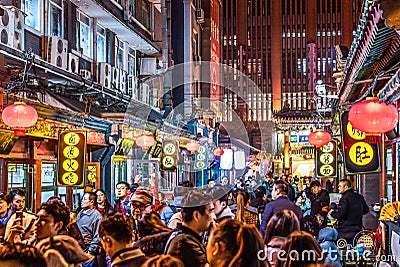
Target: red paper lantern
[145,141]
[319,138]
[19,116]
[192,147]
[218,152]
[373,117]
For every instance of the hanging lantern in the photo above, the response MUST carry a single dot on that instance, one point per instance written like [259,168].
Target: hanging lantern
[319,138]
[192,147]
[373,117]
[19,116]
[218,152]
[145,141]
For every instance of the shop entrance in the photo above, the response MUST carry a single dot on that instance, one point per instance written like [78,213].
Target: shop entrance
[24,174]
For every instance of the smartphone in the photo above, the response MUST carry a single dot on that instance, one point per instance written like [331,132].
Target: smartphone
[19,214]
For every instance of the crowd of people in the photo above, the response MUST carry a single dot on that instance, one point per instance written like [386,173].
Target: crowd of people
[220,225]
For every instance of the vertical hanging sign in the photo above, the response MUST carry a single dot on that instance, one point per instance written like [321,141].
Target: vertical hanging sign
[326,160]
[71,158]
[169,158]
[201,158]
[359,155]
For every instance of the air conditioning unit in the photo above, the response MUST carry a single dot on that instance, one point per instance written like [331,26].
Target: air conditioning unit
[131,86]
[115,75]
[19,29]
[122,80]
[7,21]
[148,66]
[85,74]
[104,74]
[57,51]
[73,63]
[200,15]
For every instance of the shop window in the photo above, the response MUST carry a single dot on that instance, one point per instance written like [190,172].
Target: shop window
[55,18]
[101,44]
[33,12]
[48,180]
[83,36]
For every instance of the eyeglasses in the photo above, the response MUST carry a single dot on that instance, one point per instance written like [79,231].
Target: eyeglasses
[138,206]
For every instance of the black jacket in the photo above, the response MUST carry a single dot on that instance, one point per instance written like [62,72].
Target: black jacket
[187,245]
[319,201]
[352,207]
[128,257]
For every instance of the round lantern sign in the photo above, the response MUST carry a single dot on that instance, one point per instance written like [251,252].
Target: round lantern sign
[319,138]
[19,116]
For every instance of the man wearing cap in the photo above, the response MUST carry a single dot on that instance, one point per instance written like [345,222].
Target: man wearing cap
[219,195]
[141,203]
[187,243]
[171,215]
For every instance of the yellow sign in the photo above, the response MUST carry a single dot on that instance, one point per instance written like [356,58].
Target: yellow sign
[169,149]
[92,174]
[70,178]
[71,158]
[326,158]
[326,170]
[361,153]
[327,148]
[354,133]
[168,162]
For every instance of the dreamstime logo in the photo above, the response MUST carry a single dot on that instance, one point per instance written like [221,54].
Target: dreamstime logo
[344,253]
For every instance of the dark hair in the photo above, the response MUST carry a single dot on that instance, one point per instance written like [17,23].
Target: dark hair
[194,200]
[151,224]
[242,199]
[117,226]
[186,183]
[301,242]
[281,224]
[315,183]
[241,243]
[210,180]
[260,191]
[346,182]
[92,196]
[15,192]
[124,183]
[4,196]
[25,254]
[282,186]
[58,210]
[164,261]
[309,224]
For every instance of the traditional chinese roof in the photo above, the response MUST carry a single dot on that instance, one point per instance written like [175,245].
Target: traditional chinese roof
[375,50]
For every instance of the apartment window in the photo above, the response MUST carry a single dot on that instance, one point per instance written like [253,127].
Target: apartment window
[146,14]
[83,34]
[120,55]
[101,43]
[131,62]
[55,18]
[32,9]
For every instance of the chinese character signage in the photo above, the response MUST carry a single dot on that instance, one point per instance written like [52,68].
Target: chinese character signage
[169,158]
[326,160]
[201,158]
[71,158]
[359,156]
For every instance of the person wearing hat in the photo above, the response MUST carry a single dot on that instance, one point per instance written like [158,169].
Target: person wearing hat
[141,203]
[219,195]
